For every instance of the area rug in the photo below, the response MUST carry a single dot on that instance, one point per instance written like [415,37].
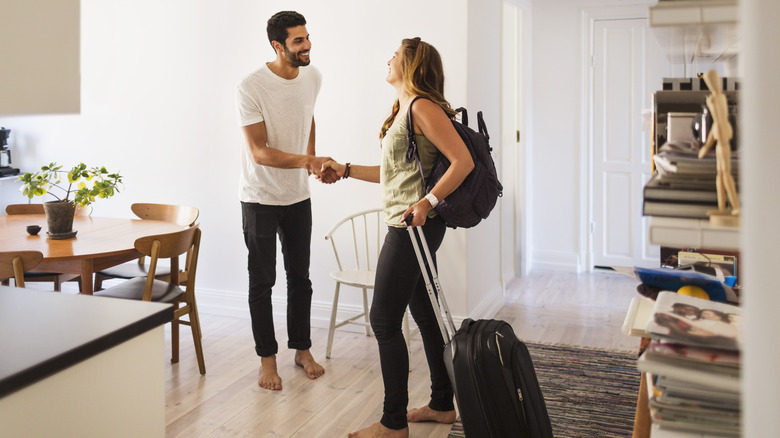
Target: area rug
[588,392]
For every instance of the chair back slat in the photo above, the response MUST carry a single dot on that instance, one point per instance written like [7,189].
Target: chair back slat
[24,209]
[155,255]
[366,241]
[191,265]
[362,238]
[178,214]
[38,209]
[172,244]
[355,243]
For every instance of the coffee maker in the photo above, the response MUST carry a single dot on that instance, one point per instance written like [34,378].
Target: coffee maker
[5,154]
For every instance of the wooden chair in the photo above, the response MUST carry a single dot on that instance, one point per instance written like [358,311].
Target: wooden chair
[150,288]
[46,277]
[13,264]
[38,209]
[357,240]
[181,215]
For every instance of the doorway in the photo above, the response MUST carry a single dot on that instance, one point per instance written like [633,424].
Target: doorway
[514,175]
[626,67]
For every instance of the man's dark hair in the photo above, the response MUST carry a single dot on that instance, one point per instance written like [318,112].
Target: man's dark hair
[280,22]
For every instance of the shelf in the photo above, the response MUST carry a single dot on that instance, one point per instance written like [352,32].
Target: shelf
[693,233]
[696,30]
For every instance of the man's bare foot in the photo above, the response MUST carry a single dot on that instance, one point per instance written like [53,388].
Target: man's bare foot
[303,358]
[379,431]
[425,413]
[269,377]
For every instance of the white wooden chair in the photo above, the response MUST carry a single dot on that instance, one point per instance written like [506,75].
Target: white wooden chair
[356,241]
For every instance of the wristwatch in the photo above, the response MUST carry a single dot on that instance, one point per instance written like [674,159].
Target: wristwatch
[432,199]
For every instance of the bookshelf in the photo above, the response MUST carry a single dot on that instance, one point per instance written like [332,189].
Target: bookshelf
[690,31]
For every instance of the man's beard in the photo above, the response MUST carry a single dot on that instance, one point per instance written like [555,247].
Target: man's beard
[294,59]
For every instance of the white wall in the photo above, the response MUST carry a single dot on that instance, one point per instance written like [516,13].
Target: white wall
[555,71]
[158,84]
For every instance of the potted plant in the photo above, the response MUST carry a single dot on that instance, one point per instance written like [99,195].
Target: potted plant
[84,184]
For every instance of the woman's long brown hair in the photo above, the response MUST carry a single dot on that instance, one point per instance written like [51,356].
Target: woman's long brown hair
[423,75]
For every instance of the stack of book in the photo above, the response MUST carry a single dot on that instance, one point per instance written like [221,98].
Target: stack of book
[683,185]
[693,365]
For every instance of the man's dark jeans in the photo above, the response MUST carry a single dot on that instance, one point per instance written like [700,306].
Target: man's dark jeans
[261,225]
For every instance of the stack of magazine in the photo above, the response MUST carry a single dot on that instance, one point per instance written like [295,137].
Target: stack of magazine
[693,365]
[683,185]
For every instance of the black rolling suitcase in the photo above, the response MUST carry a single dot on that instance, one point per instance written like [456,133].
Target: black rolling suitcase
[491,370]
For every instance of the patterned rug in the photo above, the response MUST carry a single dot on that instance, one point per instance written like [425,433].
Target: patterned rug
[588,392]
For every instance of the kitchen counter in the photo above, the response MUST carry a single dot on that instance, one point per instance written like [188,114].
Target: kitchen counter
[82,363]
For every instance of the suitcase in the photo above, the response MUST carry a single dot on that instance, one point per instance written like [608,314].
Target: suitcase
[491,371]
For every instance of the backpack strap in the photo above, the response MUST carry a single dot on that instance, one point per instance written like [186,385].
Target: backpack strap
[464,116]
[412,153]
[483,129]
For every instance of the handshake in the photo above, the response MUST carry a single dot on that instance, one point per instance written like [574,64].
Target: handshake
[325,169]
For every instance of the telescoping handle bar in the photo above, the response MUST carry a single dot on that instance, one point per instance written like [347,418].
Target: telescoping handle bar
[431,279]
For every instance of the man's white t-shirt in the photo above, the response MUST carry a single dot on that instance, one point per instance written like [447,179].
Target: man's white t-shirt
[287,108]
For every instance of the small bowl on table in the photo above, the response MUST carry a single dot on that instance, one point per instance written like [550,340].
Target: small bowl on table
[33,230]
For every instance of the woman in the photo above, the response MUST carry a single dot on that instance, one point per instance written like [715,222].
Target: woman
[415,70]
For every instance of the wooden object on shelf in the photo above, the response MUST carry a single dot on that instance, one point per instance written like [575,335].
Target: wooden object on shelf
[720,137]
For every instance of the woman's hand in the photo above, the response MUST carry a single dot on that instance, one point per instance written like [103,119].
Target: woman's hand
[419,211]
[331,172]
[338,168]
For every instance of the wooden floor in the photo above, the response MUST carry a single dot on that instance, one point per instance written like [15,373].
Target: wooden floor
[575,309]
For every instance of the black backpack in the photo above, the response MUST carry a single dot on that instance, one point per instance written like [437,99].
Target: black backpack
[473,200]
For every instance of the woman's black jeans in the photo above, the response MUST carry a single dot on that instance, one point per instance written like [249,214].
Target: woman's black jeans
[399,283]
[292,223]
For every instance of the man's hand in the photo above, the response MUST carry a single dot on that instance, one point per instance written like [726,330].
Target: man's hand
[328,176]
[316,166]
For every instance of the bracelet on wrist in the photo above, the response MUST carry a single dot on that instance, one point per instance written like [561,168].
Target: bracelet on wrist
[346,171]
[434,201]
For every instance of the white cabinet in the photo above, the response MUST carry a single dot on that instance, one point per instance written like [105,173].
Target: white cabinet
[40,47]
[693,31]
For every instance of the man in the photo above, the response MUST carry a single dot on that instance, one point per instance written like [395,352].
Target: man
[276,108]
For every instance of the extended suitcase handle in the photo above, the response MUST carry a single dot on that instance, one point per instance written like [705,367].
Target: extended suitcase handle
[429,274]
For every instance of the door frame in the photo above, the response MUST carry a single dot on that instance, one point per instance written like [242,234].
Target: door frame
[589,16]
[515,116]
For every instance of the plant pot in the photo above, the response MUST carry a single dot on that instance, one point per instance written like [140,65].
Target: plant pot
[59,218]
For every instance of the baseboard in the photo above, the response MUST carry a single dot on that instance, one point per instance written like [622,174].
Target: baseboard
[234,305]
[557,261]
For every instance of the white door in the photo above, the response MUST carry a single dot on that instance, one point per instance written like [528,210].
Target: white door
[627,67]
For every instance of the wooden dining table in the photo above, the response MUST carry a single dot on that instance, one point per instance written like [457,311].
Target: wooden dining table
[100,243]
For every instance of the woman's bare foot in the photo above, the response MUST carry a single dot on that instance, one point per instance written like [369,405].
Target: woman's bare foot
[303,358]
[425,413]
[379,431]
[269,377]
